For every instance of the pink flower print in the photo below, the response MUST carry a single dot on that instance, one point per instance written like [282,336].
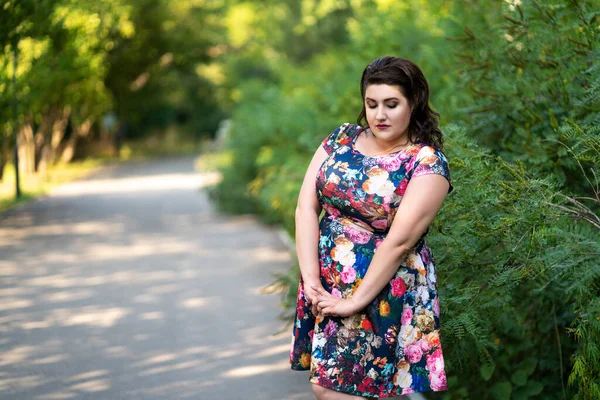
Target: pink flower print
[426,256]
[438,382]
[386,204]
[436,307]
[331,210]
[380,224]
[336,293]
[348,274]
[424,344]
[391,164]
[413,353]
[330,329]
[407,390]
[358,237]
[398,287]
[403,156]
[301,289]
[435,362]
[407,316]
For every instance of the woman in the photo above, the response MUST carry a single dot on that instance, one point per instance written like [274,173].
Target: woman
[367,319]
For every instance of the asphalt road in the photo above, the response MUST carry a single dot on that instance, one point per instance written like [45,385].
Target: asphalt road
[127,285]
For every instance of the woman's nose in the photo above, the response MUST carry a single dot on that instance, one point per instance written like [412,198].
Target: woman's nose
[380,114]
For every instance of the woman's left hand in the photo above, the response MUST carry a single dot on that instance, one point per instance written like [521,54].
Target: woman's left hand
[328,304]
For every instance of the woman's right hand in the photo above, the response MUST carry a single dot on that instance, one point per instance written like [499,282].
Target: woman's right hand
[311,292]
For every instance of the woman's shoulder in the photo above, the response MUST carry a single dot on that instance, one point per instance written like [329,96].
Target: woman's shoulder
[341,136]
[429,159]
[348,129]
[420,150]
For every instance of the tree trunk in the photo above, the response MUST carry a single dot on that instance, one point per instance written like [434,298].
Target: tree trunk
[4,157]
[78,132]
[59,128]
[26,148]
[3,154]
[42,139]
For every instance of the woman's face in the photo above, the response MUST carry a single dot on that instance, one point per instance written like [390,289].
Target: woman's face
[388,113]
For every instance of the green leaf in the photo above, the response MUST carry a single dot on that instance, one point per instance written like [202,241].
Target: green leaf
[529,366]
[501,391]
[519,377]
[533,388]
[520,395]
[486,371]
[553,121]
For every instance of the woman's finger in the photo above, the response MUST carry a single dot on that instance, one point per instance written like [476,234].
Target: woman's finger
[329,311]
[324,304]
[319,290]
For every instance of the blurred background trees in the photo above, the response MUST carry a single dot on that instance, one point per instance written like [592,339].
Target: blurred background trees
[92,70]
[517,84]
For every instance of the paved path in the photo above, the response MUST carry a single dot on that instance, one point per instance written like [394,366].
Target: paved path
[128,286]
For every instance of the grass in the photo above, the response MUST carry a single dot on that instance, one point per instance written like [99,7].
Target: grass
[35,185]
[214,161]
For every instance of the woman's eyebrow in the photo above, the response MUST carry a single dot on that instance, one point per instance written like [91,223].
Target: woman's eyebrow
[391,98]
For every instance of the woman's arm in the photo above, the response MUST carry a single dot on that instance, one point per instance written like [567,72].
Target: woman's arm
[421,202]
[307,229]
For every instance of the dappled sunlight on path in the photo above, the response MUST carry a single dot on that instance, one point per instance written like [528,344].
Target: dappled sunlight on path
[128,285]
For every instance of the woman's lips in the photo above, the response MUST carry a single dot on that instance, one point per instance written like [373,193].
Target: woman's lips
[381,127]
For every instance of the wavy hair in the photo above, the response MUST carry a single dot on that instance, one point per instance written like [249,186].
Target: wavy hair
[409,78]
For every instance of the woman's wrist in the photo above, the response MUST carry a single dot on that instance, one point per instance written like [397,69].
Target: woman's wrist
[358,302]
[355,306]
[312,283]
[311,280]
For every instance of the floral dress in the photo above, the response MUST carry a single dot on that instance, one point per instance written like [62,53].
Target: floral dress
[392,347]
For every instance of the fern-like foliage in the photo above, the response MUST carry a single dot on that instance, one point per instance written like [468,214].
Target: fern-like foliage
[528,74]
[519,266]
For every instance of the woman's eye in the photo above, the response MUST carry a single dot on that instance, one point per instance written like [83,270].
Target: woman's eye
[374,106]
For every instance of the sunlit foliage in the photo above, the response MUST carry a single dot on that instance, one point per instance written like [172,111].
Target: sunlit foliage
[517,242]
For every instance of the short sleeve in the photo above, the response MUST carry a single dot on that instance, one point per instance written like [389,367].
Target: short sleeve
[332,141]
[432,161]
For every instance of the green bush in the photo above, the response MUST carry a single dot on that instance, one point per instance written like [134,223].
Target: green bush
[527,73]
[517,250]
[516,274]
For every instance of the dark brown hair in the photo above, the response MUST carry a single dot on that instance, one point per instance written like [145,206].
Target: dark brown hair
[409,78]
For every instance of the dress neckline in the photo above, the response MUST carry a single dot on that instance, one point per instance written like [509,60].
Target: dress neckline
[355,150]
